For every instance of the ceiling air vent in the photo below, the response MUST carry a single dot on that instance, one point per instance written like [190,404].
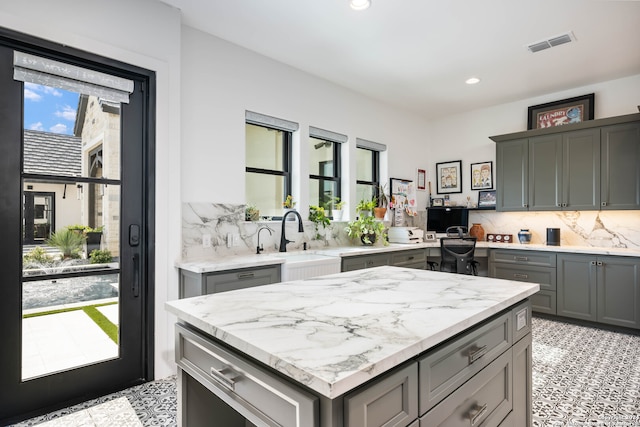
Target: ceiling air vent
[551,42]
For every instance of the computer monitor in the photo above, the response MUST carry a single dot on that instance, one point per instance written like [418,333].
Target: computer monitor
[441,218]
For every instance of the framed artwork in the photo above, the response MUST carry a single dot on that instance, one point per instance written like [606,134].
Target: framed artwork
[449,177]
[403,195]
[438,202]
[487,199]
[430,236]
[422,179]
[563,112]
[482,176]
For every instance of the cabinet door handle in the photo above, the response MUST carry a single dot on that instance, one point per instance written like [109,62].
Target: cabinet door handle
[521,258]
[520,276]
[599,263]
[246,275]
[477,354]
[410,258]
[476,413]
[564,205]
[228,381]
[524,205]
[592,263]
[603,204]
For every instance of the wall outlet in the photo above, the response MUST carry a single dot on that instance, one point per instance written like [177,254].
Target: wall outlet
[235,238]
[206,241]
[229,240]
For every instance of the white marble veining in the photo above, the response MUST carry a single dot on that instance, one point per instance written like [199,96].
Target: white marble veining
[333,333]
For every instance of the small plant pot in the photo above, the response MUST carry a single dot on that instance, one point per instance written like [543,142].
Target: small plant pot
[379,213]
[372,239]
[336,214]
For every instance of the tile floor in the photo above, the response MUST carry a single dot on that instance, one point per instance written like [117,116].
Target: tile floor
[582,377]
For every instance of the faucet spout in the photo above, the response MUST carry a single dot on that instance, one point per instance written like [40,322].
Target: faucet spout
[260,247]
[283,239]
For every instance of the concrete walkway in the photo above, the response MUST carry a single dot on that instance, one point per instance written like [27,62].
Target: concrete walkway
[62,341]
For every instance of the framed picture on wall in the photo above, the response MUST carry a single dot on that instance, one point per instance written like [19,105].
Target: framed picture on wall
[449,177]
[482,176]
[422,179]
[563,112]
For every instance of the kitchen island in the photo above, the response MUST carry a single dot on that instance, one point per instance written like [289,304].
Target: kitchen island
[382,346]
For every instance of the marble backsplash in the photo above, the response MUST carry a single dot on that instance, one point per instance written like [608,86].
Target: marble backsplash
[620,229]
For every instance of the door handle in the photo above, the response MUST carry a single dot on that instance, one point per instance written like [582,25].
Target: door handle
[135,287]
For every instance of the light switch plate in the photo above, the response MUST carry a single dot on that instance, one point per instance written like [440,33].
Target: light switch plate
[206,241]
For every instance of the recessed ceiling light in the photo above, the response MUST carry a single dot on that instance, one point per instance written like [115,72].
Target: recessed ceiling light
[472,81]
[359,4]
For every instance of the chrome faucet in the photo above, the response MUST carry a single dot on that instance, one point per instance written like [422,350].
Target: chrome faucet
[283,239]
[260,248]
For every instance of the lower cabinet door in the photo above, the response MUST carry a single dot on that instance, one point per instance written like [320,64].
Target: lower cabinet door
[390,401]
[486,399]
[544,302]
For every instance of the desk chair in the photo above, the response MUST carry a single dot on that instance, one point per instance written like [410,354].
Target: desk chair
[457,255]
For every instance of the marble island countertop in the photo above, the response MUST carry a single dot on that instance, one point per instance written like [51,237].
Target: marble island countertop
[246,261]
[333,333]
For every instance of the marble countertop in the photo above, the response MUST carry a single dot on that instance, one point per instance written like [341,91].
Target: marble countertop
[246,261]
[333,333]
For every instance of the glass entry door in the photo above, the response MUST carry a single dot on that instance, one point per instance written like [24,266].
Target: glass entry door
[74,295]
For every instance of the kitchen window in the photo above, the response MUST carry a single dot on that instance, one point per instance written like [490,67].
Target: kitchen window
[367,168]
[268,162]
[324,166]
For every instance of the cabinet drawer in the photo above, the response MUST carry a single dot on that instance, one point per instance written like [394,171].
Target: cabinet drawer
[366,261]
[486,399]
[542,259]
[446,368]
[240,279]
[261,398]
[545,276]
[389,401]
[406,258]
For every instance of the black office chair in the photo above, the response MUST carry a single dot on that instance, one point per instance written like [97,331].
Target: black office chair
[457,255]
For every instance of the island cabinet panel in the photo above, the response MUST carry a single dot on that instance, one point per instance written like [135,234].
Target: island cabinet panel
[604,289]
[444,370]
[244,387]
[390,401]
[528,266]
[196,284]
[486,399]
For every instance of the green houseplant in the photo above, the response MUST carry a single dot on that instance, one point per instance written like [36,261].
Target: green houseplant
[337,205]
[365,207]
[69,242]
[367,229]
[382,202]
[251,213]
[318,216]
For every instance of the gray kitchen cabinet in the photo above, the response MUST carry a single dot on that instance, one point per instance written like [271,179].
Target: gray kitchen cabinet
[414,258]
[512,175]
[590,165]
[620,163]
[604,289]
[196,284]
[564,171]
[528,266]
[364,261]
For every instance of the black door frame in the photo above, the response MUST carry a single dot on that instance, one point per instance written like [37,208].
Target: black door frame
[29,214]
[58,391]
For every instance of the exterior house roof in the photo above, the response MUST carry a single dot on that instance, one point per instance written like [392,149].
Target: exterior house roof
[52,153]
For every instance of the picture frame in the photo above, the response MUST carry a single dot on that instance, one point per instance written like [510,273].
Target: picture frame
[482,176]
[430,236]
[563,112]
[487,199]
[449,177]
[439,201]
[422,179]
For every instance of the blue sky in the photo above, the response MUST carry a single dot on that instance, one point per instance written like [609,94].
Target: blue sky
[49,109]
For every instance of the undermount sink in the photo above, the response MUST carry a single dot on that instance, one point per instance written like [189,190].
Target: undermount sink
[305,265]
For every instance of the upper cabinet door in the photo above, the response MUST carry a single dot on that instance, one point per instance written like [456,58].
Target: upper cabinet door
[581,170]
[512,175]
[545,173]
[620,166]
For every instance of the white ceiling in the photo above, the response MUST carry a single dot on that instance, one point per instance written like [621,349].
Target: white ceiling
[416,54]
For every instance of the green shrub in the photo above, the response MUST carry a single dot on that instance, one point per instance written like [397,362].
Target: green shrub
[37,255]
[100,256]
[68,241]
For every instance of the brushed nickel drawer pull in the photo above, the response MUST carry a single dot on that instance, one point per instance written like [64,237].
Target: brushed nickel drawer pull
[521,258]
[411,257]
[247,275]
[520,276]
[219,376]
[480,410]
[477,353]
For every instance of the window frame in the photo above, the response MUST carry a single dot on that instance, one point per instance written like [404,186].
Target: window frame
[337,166]
[375,171]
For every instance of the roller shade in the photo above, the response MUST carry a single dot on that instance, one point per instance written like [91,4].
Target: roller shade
[47,72]
[370,145]
[270,122]
[327,135]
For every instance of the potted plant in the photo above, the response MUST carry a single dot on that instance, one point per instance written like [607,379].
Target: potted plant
[365,207]
[383,201]
[367,229]
[251,213]
[318,216]
[337,212]
[68,241]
